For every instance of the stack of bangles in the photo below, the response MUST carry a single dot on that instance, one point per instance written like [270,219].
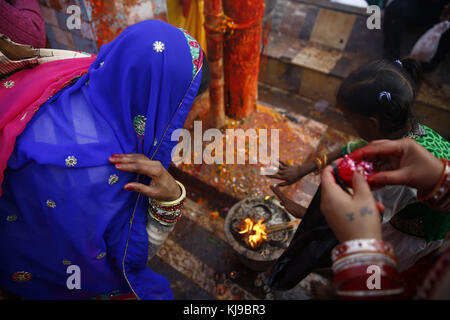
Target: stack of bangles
[439,197]
[168,212]
[366,269]
[321,163]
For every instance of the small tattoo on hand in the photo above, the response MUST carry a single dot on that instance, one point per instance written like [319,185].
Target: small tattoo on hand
[350,216]
[365,211]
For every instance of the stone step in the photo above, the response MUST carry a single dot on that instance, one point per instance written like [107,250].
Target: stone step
[313,45]
[315,73]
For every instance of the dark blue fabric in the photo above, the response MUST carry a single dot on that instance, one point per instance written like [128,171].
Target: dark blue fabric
[90,121]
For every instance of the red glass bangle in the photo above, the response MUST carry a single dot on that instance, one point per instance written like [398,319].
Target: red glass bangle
[354,273]
[165,213]
[164,219]
[357,281]
[168,208]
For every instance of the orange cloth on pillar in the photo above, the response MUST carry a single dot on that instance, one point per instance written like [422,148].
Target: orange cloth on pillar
[194,21]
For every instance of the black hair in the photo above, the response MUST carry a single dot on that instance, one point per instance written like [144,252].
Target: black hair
[206,77]
[383,88]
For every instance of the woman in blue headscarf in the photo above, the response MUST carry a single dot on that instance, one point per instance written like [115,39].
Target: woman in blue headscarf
[66,207]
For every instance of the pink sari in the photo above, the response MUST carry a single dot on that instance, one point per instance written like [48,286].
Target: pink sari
[22,94]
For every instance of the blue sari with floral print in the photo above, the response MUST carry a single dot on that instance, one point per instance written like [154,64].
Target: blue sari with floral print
[63,202]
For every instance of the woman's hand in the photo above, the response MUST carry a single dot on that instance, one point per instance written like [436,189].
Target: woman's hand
[291,174]
[405,163]
[291,206]
[162,187]
[350,216]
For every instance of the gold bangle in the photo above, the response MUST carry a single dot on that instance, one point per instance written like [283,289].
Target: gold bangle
[439,198]
[177,201]
[325,160]
[319,165]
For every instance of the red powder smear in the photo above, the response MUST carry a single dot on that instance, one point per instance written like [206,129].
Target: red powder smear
[242,55]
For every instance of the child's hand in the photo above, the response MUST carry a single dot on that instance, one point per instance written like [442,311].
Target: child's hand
[162,187]
[291,174]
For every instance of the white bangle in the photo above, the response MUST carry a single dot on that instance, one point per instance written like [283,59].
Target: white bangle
[177,201]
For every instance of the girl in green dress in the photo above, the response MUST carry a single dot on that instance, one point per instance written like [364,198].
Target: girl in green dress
[378,100]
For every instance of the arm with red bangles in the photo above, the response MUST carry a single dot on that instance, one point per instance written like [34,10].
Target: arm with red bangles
[352,217]
[356,222]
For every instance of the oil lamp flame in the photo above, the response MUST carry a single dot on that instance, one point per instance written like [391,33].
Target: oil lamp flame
[256,231]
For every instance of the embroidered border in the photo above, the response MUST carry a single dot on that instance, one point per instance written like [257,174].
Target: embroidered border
[416,132]
[195,49]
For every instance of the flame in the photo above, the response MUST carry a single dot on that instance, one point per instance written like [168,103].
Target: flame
[256,231]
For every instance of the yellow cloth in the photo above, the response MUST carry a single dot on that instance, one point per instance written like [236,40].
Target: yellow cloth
[193,23]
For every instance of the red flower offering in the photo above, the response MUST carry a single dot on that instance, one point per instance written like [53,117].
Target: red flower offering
[349,166]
